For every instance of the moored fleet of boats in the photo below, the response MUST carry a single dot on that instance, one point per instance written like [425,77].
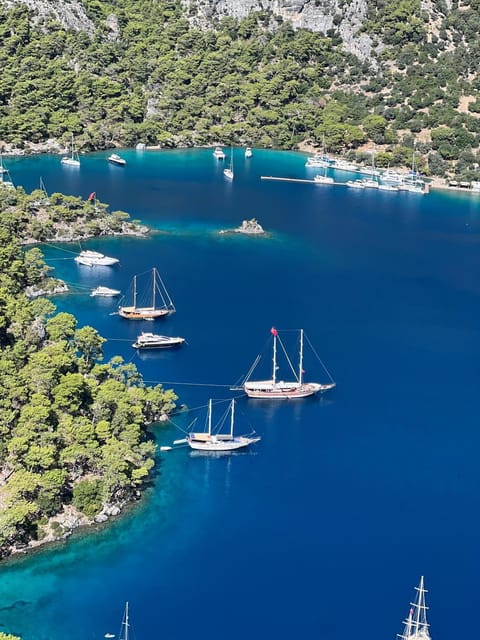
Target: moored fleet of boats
[372,178]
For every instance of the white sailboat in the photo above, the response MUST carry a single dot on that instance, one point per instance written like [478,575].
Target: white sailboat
[159,304]
[416,625]
[125,628]
[72,160]
[213,440]
[274,388]
[5,178]
[228,172]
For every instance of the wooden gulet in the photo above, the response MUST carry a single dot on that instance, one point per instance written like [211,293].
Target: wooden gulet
[276,389]
[152,312]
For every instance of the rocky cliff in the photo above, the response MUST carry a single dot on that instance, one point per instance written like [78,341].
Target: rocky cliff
[69,13]
[325,16]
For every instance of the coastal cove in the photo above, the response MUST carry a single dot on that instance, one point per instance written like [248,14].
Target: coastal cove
[362,489]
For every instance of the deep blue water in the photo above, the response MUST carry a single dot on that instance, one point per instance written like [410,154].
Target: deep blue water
[323,529]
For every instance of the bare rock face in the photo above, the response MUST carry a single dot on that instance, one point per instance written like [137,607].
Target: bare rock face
[70,13]
[345,17]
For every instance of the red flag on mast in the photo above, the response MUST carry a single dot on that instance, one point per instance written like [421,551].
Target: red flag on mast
[91,196]
[273,331]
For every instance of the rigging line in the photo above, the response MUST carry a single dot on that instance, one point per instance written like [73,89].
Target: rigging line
[191,384]
[288,359]
[48,244]
[205,406]
[319,359]
[57,259]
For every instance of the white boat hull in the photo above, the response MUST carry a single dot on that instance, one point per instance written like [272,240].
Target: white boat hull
[70,162]
[162,342]
[96,262]
[219,443]
[268,389]
[105,292]
[138,313]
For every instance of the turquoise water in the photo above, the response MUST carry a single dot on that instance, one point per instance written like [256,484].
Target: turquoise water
[326,525]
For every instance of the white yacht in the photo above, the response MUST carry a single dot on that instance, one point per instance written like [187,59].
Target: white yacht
[318,161]
[345,165]
[323,179]
[153,341]
[219,153]
[248,152]
[355,184]
[95,259]
[105,292]
[114,158]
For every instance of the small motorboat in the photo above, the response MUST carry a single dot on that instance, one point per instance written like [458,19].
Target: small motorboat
[105,292]
[219,153]
[116,159]
[248,152]
[153,341]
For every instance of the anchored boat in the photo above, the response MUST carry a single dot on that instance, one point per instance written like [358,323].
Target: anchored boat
[158,305]
[213,440]
[273,388]
[153,341]
[105,292]
[416,625]
[95,259]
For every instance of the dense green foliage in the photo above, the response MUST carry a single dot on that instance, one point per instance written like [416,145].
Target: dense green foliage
[71,427]
[41,217]
[147,74]
[5,636]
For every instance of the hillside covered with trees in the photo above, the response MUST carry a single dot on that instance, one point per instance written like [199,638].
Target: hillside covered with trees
[73,442]
[147,72]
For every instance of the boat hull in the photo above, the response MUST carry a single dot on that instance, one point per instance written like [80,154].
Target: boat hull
[285,390]
[70,162]
[136,313]
[219,444]
[105,293]
[172,344]
[96,262]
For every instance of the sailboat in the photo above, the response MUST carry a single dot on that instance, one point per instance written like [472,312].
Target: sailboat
[212,440]
[274,388]
[5,178]
[152,310]
[416,625]
[228,172]
[72,160]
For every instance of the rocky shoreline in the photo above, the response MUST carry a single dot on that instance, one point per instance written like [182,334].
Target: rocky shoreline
[63,525]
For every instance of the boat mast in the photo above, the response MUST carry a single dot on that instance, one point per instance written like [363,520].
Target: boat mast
[420,616]
[274,373]
[416,625]
[126,622]
[134,292]
[231,417]
[154,286]
[210,417]
[300,365]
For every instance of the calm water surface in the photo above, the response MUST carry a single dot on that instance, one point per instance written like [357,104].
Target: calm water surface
[322,529]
